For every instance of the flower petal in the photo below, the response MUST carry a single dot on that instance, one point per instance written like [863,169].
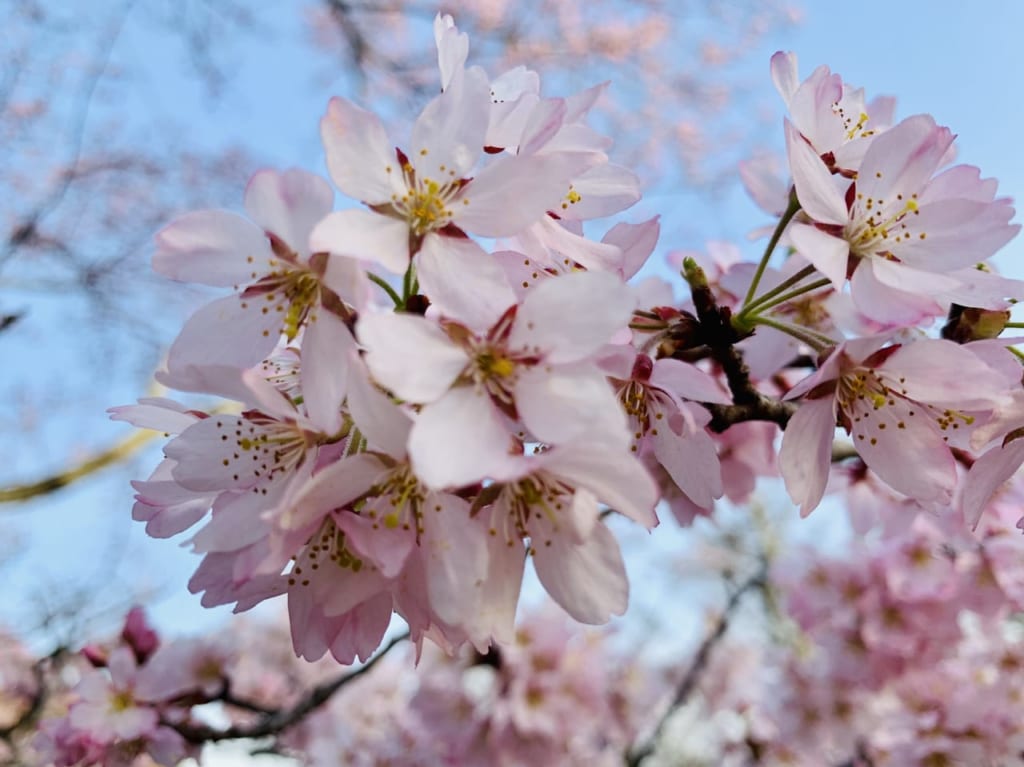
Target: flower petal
[588,580]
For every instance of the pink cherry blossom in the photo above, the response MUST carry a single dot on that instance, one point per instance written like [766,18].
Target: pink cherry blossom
[900,404]
[281,287]
[908,239]
[532,365]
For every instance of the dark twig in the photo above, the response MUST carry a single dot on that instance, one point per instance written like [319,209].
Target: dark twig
[277,721]
[693,674]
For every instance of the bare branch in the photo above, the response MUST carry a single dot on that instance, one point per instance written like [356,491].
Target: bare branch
[119,452]
[700,661]
[276,722]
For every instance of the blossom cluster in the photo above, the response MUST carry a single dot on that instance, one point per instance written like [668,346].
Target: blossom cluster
[552,697]
[449,378]
[902,653]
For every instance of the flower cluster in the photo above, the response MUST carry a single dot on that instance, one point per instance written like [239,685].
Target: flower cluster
[448,377]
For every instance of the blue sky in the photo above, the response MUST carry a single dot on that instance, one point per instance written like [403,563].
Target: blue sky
[945,58]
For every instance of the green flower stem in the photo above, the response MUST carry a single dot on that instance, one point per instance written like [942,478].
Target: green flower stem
[753,306]
[815,340]
[407,284]
[787,216]
[379,281]
[768,303]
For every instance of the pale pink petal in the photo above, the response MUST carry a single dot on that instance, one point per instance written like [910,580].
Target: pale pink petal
[455,558]
[495,617]
[986,476]
[903,158]
[229,331]
[615,477]
[156,413]
[289,204]
[363,630]
[210,457]
[984,290]
[784,74]
[544,122]
[332,488]
[448,136]
[452,48]
[911,458]
[327,345]
[687,381]
[588,580]
[567,246]
[816,188]
[511,193]
[410,355]
[806,454]
[347,278]
[237,523]
[636,241]
[384,424]
[828,254]
[764,183]
[603,190]
[352,589]
[359,154]
[572,316]
[364,235]
[943,373]
[692,462]
[884,303]
[459,439]
[386,547]
[213,247]
[559,404]
[463,281]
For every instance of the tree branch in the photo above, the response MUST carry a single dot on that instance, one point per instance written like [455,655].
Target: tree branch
[693,674]
[115,454]
[278,721]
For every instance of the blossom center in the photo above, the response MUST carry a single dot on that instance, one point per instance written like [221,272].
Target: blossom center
[399,502]
[524,507]
[291,292]
[878,226]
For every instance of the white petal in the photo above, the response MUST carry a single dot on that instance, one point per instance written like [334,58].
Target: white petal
[560,404]
[384,424]
[229,331]
[463,281]
[828,254]
[358,153]
[455,558]
[571,317]
[588,580]
[815,185]
[806,454]
[410,355]
[448,136]
[459,439]
[326,348]
[365,235]
[288,204]
[614,476]
[212,247]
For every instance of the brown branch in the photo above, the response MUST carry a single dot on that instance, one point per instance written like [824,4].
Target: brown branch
[277,721]
[762,408]
[693,674]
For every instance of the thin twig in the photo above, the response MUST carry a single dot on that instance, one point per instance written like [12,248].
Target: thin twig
[282,719]
[693,674]
[119,452]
